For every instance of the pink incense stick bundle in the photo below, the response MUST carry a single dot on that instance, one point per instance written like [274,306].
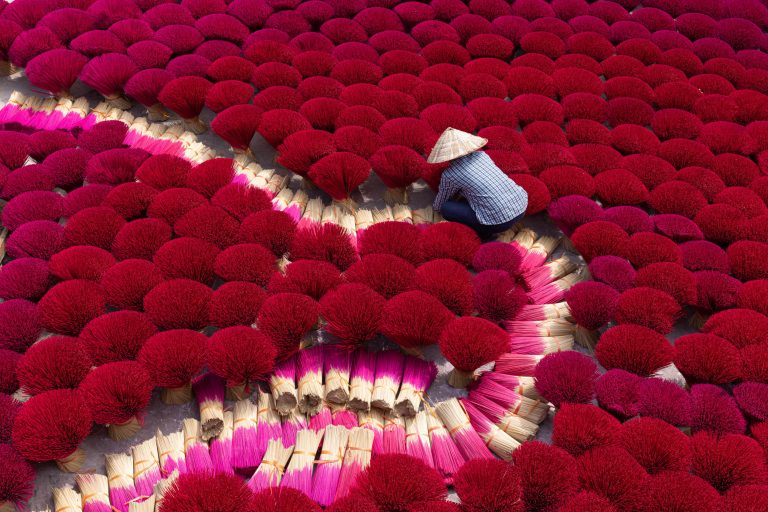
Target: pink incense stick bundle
[196,453]
[270,471]
[345,418]
[373,420]
[293,423]
[499,442]
[525,386]
[95,491]
[538,277]
[269,427]
[533,312]
[555,291]
[209,390]
[523,241]
[120,478]
[356,459]
[540,345]
[326,478]
[337,367]
[456,421]
[445,454]
[244,454]
[539,252]
[322,419]
[170,451]
[557,327]
[517,364]
[221,446]
[282,383]
[518,428]
[361,381]
[532,410]
[393,439]
[309,374]
[418,375]
[417,439]
[298,474]
[146,467]
[387,378]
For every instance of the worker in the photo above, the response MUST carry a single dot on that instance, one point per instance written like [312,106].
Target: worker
[473,190]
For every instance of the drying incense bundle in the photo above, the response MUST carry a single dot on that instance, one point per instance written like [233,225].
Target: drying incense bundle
[539,345]
[532,312]
[313,213]
[298,474]
[292,424]
[495,439]
[539,252]
[337,367]
[456,421]
[517,364]
[120,478]
[531,410]
[309,373]
[162,487]
[322,419]
[344,417]
[66,499]
[95,491]
[521,385]
[269,427]
[555,291]
[195,450]
[402,213]
[330,214]
[297,204]
[373,420]
[282,383]
[270,471]
[170,451]
[382,215]
[361,381]
[417,439]
[445,454]
[147,505]
[418,375]
[523,241]
[393,438]
[552,271]
[545,328]
[356,459]
[209,391]
[518,428]
[146,467]
[244,455]
[363,220]
[387,378]
[221,447]
[326,478]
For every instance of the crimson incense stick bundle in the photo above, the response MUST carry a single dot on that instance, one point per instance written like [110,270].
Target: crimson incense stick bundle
[539,252]
[120,478]
[387,378]
[172,359]
[531,312]
[209,391]
[67,499]
[95,491]
[326,478]
[445,454]
[417,439]
[456,421]
[146,467]
[521,385]
[522,241]
[543,328]
[282,383]
[356,458]
[221,446]
[170,451]
[540,345]
[418,375]
[293,423]
[518,428]
[361,381]
[269,427]
[555,291]
[373,420]
[532,410]
[198,459]
[270,471]
[162,488]
[393,438]
[309,365]
[298,474]
[538,277]
[244,454]
[337,368]
[517,364]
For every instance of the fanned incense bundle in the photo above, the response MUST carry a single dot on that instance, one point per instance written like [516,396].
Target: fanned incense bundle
[393,438]
[555,291]
[120,478]
[195,450]
[298,474]
[518,428]
[521,385]
[170,451]
[269,428]
[146,468]
[244,456]
[531,312]
[326,478]
[539,345]
[538,277]
[495,439]
[418,375]
[293,423]
[356,459]
[270,471]
[387,378]
[456,421]
[283,386]
[557,327]
[209,391]
[66,499]
[517,364]
[531,410]
[361,381]
[417,439]
[539,252]
[221,447]
[309,366]
[95,491]
[445,454]
[337,368]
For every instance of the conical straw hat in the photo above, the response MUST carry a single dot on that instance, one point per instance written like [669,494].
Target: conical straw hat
[454,143]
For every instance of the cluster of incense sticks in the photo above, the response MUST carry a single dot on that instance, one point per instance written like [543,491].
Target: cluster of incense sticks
[210,390]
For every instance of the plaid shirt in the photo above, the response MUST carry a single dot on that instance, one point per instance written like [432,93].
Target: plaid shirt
[490,193]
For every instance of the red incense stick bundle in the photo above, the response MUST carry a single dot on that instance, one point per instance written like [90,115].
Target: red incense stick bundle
[298,474]
[282,383]
[244,454]
[146,467]
[18,479]
[356,458]
[269,427]
[539,252]
[521,385]
[221,446]
[292,423]
[120,478]
[469,343]
[196,455]
[531,312]
[517,364]
[107,74]
[326,478]
[518,428]
[417,439]
[456,421]
[387,378]
[309,374]
[557,327]
[95,491]
[270,471]
[538,277]
[373,420]
[532,410]
[418,375]
[555,291]
[172,359]
[240,354]
[209,392]
[186,97]
[170,451]
[540,345]
[337,368]
[393,438]
[361,381]
[445,454]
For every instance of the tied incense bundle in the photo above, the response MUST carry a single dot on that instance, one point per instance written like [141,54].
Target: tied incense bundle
[209,391]
[120,479]
[269,428]
[270,471]
[282,383]
[221,447]
[387,377]
[417,378]
[293,423]
[170,450]
[531,410]
[326,478]
[298,475]
[373,420]
[499,442]
[417,439]
[522,385]
[195,450]
[361,382]
[95,490]
[66,499]
[461,431]
[539,252]
[147,505]
[244,456]
[393,439]
[541,276]
[337,368]
[146,467]
[517,364]
[445,454]
[518,428]
[356,459]
[310,378]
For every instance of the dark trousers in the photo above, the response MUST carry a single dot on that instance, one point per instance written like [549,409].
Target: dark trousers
[460,211]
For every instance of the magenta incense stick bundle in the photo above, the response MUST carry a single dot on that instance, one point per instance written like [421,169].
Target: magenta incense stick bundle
[417,439]
[322,419]
[337,368]
[361,380]
[456,421]
[555,291]
[539,252]
[373,420]
[146,467]
[209,390]
[445,454]
[95,491]
[532,312]
[293,423]
[67,499]
[518,428]
[326,478]
[517,364]
[195,450]
[269,427]
[495,439]
[282,383]
[356,459]
[345,418]
[221,447]
[270,471]
[540,345]
[298,474]
[521,385]
[418,375]
[556,327]
[244,454]
[541,276]
[531,410]
[170,451]
[309,374]
[120,478]
[393,439]
[387,378]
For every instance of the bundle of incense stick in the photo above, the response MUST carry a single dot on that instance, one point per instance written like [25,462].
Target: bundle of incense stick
[120,479]
[309,366]
[517,364]
[516,427]
[523,241]
[312,213]
[555,291]
[297,204]
[292,424]
[382,215]
[445,454]
[418,375]
[337,367]
[170,451]
[456,421]
[556,327]
[387,378]
[270,471]
[498,441]
[298,474]
[539,252]
[244,456]
[145,505]
[282,383]
[539,345]
[146,467]
[221,447]
[66,499]
[269,427]
[356,459]
[346,220]
[344,417]
[330,214]
[521,385]
[322,419]
[95,490]
[363,219]
[162,487]
[552,271]
[326,478]
[195,450]
[423,215]
[531,410]
[373,420]
[533,312]
[361,381]
[209,391]
[402,213]
[417,439]
[393,438]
